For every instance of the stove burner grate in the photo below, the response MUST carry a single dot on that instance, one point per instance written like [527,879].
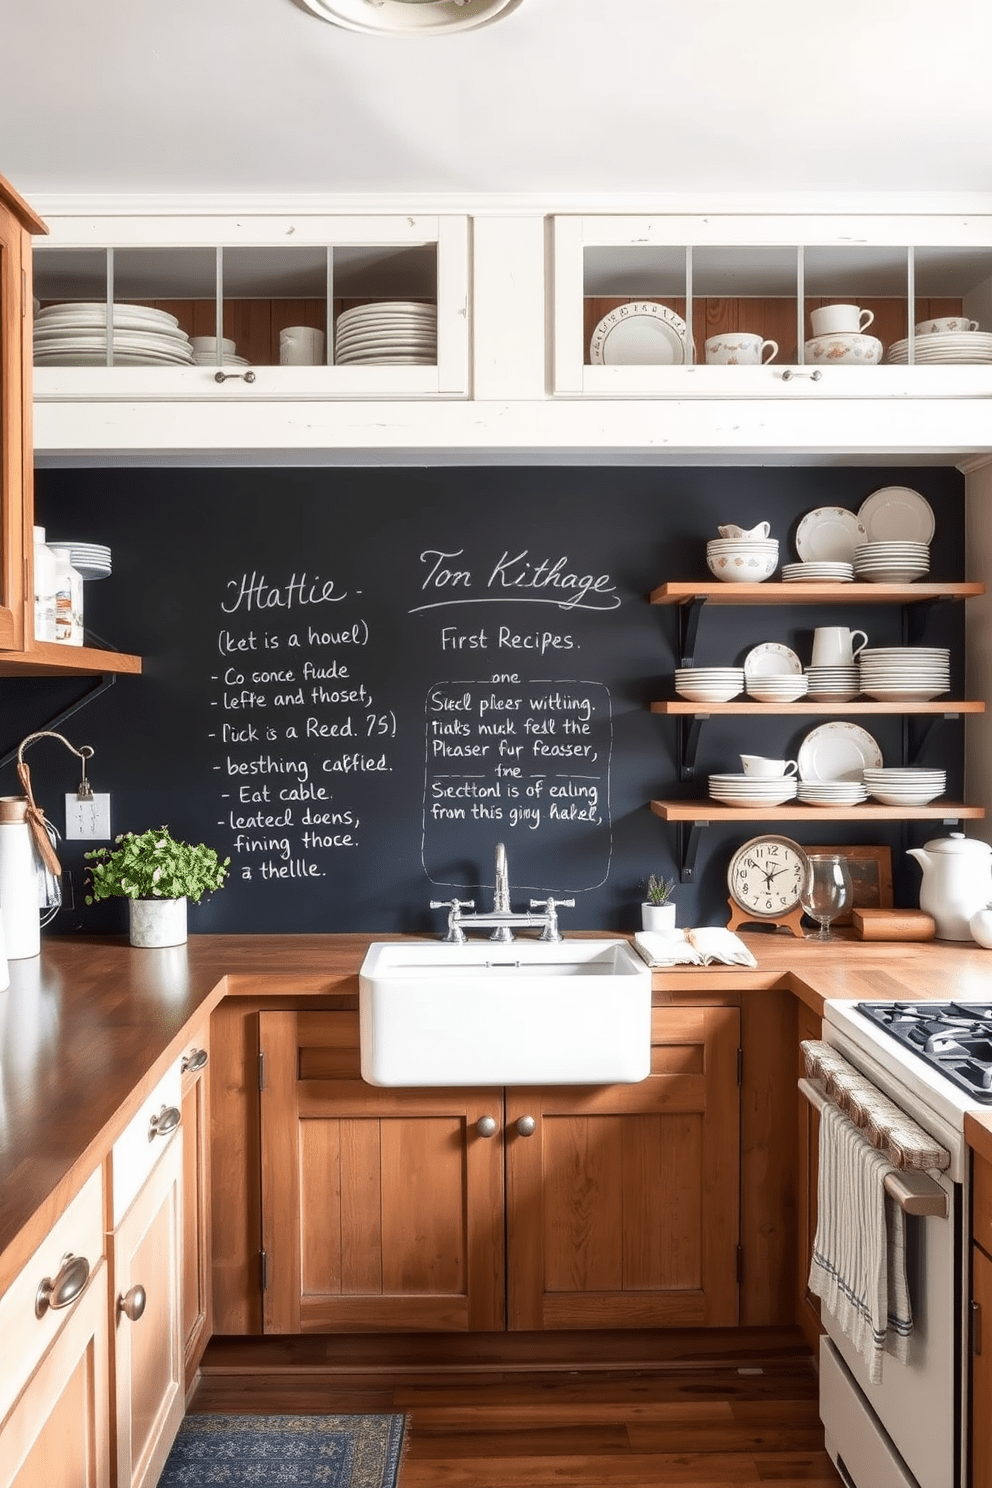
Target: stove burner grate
[954,1038]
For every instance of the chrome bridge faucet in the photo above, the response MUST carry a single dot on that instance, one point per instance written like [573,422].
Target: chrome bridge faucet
[501,920]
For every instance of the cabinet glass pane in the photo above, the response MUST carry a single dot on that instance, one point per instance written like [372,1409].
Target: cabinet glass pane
[70,274]
[745,289]
[616,274]
[267,290]
[874,278]
[952,283]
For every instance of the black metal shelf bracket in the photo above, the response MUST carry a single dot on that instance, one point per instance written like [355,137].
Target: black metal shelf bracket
[688,624]
[690,725]
[689,835]
[98,685]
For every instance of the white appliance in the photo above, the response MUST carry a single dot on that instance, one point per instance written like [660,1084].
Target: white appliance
[909,1431]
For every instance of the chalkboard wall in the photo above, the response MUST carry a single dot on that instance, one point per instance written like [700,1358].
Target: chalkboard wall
[357,682]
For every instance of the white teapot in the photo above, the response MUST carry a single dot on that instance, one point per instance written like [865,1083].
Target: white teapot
[957,882]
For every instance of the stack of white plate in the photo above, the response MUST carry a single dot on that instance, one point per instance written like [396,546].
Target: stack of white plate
[892,674]
[748,790]
[907,786]
[892,562]
[840,683]
[767,688]
[393,332]
[960,346]
[742,560]
[92,560]
[832,792]
[75,335]
[825,572]
[709,684]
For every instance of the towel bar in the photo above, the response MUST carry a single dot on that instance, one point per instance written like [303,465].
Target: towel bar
[916,1193]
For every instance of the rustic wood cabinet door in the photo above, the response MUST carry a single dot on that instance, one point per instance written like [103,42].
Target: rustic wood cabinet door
[623,1200]
[382,1210]
[58,1433]
[196,1302]
[148,1365]
[981,1371]
[808,1308]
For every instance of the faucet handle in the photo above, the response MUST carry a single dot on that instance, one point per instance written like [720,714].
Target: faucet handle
[552,903]
[455,935]
[550,907]
[452,904]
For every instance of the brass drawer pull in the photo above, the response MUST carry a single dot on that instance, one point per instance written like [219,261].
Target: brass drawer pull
[165,1122]
[62,1289]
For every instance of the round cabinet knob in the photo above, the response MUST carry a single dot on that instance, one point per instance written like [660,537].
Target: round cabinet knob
[62,1289]
[132,1304]
[165,1122]
[486,1126]
[526,1126]
[196,1059]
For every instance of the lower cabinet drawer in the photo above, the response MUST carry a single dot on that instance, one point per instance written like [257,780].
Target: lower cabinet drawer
[42,1297]
[144,1139]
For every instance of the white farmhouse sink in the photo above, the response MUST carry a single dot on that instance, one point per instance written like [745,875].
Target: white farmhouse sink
[575,1012]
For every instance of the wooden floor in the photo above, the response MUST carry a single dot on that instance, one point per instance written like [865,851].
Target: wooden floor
[708,1424]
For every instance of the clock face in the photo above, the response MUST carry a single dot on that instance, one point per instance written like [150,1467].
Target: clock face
[765,876]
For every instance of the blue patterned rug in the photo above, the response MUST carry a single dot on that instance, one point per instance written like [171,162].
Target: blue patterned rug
[334,1451]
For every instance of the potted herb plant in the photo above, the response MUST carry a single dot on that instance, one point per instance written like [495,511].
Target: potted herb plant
[157,875]
[657,910]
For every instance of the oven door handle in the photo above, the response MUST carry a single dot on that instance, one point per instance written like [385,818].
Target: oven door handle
[916,1193]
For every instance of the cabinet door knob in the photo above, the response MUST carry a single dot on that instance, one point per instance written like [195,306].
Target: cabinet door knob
[132,1304]
[486,1126]
[526,1126]
[62,1289]
[165,1122]
[196,1059]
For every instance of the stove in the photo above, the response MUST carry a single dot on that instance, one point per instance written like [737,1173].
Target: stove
[954,1038]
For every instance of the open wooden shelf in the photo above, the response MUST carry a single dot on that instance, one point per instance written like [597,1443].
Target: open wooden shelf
[48,658]
[683,707]
[792,594]
[713,811]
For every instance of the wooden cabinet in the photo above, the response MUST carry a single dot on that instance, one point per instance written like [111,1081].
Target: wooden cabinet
[809,1026]
[197,1308]
[145,1286]
[385,1210]
[17,223]
[981,1324]
[54,1381]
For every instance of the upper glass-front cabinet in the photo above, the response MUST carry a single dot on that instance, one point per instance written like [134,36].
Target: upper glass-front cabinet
[760,306]
[342,307]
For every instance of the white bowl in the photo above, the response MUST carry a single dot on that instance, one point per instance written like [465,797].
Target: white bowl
[209,343]
[742,563]
[844,350]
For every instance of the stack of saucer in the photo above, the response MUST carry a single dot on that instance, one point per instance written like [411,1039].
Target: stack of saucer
[709,684]
[205,352]
[766,687]
[963,347]
[392,331]
[892,674]
[832,792]
[892,562]
[91,560]
[906,786]
[839,683]
[750,790]
[827,571]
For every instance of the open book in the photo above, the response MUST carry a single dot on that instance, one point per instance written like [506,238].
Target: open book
[703,947]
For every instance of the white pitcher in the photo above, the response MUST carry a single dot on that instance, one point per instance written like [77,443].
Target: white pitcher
[957,882]
[834,646]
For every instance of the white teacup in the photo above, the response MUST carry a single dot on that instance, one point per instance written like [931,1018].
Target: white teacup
[833,320]
[946,325]
[740,349]
[301,346]
[834,646]
[767,769]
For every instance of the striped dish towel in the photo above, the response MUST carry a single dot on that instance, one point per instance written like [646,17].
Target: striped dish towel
[859,1254]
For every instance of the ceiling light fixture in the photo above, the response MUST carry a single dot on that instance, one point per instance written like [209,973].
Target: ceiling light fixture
[410,17]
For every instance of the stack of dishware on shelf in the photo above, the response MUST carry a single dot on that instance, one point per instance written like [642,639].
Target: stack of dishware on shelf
[709,684]
[832,792]
[839,337]
[773,673]
[833,683]
[765,687]
[205,352]
[891,562]
[77,335]
[947,339]
[892,674]
[826,572]
[92,560]
[750,790]
[393,332]
[905,786]
[742,557]
[833,759]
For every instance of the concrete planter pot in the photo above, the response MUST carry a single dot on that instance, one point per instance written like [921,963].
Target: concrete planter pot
[658,917]
[157,922]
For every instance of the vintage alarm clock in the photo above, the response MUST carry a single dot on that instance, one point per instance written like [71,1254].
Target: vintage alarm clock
[765,879]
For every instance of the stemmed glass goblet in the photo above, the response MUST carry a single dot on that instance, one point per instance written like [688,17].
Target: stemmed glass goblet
[826,892]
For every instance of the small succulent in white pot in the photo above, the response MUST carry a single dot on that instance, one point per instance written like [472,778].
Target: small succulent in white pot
[658,910]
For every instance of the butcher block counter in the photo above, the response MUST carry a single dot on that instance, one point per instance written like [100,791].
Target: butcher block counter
[88,1028]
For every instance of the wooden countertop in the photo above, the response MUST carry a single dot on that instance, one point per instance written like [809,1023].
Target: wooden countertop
[87,1028]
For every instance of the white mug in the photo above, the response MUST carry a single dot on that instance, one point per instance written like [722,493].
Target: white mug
[946,325]
[301,346]
[740,349]
[767,769]
[840,320]
[834,646]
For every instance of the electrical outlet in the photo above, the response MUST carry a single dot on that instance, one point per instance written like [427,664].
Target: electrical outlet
[87,820]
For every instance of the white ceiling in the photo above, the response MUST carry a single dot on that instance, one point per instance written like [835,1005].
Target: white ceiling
[706,99]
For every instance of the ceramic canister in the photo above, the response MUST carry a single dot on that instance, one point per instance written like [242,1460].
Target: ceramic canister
[19,915]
